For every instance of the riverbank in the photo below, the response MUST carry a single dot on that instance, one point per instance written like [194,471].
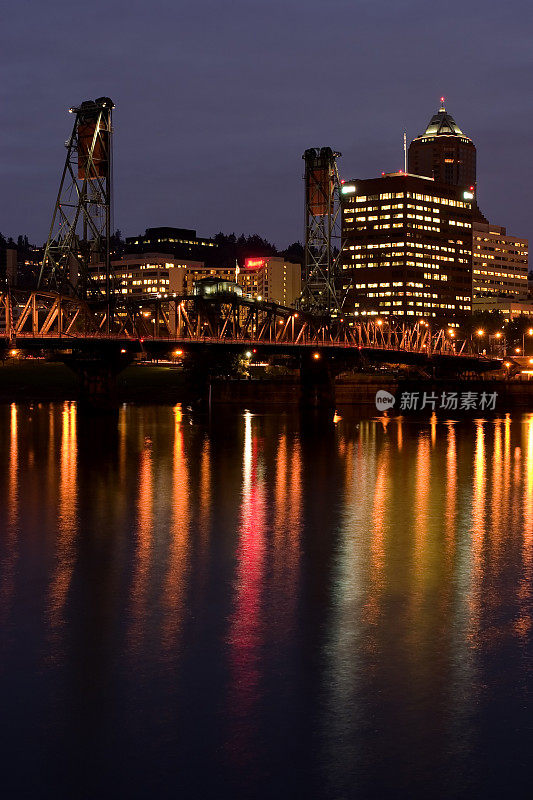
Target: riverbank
[41,381]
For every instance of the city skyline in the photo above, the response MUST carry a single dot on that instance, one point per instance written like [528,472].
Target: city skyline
[202,142]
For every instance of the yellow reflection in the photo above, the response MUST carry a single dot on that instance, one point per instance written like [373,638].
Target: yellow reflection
[451,487]
[205,492]
[174,584]
[380,508]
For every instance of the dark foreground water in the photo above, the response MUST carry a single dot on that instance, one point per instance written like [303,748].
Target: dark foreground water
[264,608]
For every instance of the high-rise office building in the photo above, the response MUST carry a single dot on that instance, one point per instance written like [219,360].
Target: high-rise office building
[443,152]
[407,247]
[499,271]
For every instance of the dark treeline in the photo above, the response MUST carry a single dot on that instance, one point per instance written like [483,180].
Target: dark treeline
[233,248]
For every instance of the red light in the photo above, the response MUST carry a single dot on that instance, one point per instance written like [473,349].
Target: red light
[471,188]
[342,180]
[251,263]
[442,99]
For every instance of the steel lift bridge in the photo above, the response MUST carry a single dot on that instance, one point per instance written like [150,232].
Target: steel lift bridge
[98,329]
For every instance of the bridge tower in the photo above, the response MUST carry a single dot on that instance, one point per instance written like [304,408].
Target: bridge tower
[321,291]
[81,223]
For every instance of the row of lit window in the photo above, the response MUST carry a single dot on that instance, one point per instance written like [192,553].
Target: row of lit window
[514,275]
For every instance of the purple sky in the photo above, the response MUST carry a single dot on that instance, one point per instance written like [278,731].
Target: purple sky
[216,102]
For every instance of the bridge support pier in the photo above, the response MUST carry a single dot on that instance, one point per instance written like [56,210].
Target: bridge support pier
[317,382]
[98,387]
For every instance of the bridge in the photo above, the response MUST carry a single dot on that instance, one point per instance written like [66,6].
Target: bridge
[98,339]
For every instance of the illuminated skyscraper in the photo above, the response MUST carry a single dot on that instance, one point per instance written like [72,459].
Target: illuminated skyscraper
[443,152]
[408,247]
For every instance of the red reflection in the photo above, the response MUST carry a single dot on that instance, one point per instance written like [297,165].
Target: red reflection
[245,629]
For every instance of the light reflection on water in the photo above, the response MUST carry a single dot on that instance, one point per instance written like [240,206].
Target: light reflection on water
[265,603]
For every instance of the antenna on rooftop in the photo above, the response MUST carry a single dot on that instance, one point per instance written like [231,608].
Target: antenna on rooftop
[405,152]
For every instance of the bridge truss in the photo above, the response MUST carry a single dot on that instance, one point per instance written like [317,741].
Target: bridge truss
[61,320]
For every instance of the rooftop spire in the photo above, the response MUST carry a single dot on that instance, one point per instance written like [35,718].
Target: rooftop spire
[442,106]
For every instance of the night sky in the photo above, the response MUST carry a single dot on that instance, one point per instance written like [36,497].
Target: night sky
[216,102]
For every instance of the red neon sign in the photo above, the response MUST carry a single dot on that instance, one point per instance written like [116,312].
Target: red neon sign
[253,263]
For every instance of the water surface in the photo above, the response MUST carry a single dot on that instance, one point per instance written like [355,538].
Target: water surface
[264,605]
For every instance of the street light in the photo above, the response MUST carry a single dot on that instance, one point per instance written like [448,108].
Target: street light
[529,333]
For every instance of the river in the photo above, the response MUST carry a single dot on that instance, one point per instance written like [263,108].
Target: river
[264,605]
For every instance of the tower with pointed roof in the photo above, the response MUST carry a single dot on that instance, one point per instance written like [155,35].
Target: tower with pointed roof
[443,152]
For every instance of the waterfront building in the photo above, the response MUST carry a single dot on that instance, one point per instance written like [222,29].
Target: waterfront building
[200,272]
[407,247]
[499,266]
[508,306]
[146,273]
[272,278]
[443,152]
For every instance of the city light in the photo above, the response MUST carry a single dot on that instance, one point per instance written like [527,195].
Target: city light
[177,353]
[248,354]
[480,332]
[316,356]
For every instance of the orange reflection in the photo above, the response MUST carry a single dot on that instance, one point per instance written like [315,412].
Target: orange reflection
[8,562]
[478,526]
[139,587]
[12,506]
[286,529]
[421,509]
[67,516]
[524,622]
[399,433]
